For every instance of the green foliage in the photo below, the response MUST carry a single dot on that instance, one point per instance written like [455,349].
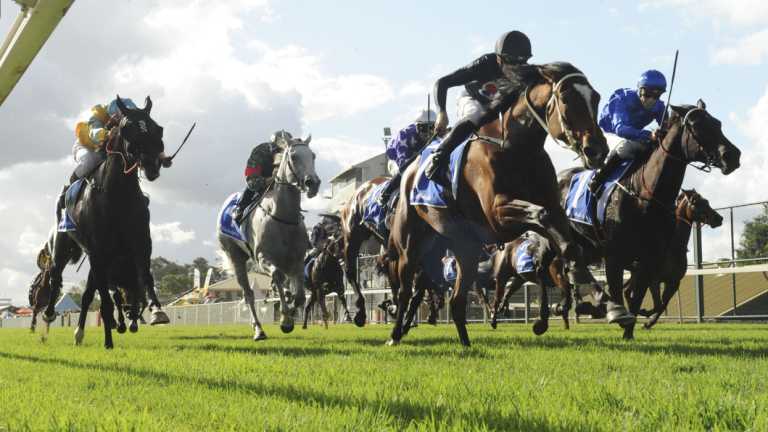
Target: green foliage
[754,239]
[677,377]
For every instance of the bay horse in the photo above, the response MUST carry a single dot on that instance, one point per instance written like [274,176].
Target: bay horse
[276,235]
[690,208]
[112,218]
[638,223]
[503,190]
[326,277]
[354,233]
[40,288]
[539,265]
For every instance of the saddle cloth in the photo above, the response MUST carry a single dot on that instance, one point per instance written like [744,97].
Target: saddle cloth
[67,224]
[580,200]
[374,214]
[428,193]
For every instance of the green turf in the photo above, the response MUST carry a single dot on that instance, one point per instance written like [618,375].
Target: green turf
[689,377]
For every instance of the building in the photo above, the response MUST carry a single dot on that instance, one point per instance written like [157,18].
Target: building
[344,184]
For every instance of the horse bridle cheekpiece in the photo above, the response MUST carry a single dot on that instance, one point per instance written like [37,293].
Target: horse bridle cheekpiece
[286,159]
[709,159]
[571,141]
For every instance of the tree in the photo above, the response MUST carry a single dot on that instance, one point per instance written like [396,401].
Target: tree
[754,239]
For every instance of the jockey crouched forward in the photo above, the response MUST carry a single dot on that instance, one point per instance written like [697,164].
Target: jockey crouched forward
[404,147]
[493,83]
[258,170]
[624,118]
[88,150]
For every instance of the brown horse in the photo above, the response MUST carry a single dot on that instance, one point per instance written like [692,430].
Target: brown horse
[529,258]
[503,190]
[326,277]
[690,208]
[638,227]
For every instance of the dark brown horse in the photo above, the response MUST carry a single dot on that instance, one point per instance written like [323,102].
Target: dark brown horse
[690,208]
[503,190]
[326,277]
[638,224]
[40,288]
[530,259]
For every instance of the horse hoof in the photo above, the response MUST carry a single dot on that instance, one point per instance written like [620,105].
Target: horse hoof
[79,335]
[304,327]
[392,342]
[159,317]
[540,327]
[360,319]
[286,328]
[108,346]
[494,323]
[121,328]
[259,336]
[49,318]
[619,315]
[134,327]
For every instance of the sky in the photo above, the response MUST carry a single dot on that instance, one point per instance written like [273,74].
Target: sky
[341,71]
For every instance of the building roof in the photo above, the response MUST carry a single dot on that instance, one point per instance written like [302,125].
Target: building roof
[67,304]
[352,167]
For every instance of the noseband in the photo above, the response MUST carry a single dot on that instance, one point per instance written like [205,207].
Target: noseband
[287,162]
[571,142]
[709,160]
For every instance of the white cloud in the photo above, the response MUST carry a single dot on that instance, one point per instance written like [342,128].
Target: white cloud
[14,284]
[739,12]
[749,50]
[170,232]
[30,242]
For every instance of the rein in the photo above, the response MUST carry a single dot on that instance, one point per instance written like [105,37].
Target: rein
[571,143]
[123,156]
[277,180]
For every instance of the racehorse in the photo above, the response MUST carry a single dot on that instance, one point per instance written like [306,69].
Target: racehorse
[529,258]
[503,190]
[40,288]
[112,219]
[326,277]
[690,208]
[638,220]
[355,232]
[276,238]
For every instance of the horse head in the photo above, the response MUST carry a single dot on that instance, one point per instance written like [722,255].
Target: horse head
[703,139]
[142,138]
[692,207]
[297,166]
[571,113]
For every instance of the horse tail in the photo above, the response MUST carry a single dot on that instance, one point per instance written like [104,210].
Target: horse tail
[226,262]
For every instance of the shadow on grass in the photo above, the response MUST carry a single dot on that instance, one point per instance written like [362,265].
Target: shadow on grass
[406,412]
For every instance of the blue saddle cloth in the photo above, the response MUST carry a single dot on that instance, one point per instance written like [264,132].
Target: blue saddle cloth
[580,200]
[67,224]
[523,259]
[374,214]
[227,224]
[428,193]
[449,270]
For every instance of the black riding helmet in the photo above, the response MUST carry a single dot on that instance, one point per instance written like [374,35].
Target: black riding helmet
[514,47]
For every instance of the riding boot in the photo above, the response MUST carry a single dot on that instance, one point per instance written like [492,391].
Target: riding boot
[602,174]
[436,166]
[245,199]
[389,189]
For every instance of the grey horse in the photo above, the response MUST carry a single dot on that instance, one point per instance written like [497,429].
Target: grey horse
[276,238]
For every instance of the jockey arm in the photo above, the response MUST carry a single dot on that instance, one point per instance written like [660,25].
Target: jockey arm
[483,69]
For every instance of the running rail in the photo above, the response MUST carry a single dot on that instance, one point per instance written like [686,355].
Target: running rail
[33,26]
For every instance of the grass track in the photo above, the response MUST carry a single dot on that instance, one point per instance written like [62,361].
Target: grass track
[676,377]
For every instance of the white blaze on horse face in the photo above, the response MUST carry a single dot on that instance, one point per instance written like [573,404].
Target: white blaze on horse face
[586,92]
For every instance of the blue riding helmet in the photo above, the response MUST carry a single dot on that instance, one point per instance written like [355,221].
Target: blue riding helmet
[652,79]
[112,108]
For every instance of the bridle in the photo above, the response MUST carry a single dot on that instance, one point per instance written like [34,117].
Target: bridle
[571,142]
[710,160]
[285,162]
[118,136]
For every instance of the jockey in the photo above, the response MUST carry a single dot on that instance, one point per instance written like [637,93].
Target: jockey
[328,227]
[403,148]
[623,119]
[492,82]
[258,170]
[91,136]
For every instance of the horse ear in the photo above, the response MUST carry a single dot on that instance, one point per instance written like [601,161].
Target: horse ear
[700,103]
[120,105]
[308,140]
[147,105]
[678,110]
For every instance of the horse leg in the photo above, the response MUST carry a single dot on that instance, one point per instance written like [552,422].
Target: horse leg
[541,325]
[500,281]
[238,258]
[415,302]
[642,279]
[655,290]
[615,310]
[483,298]
[466,260]
[670,288]
[85,304]
[119,304]
[405,275]
[107,314]
[323,309]
[343,299]
[309,305]
[351,250]
[557,274]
